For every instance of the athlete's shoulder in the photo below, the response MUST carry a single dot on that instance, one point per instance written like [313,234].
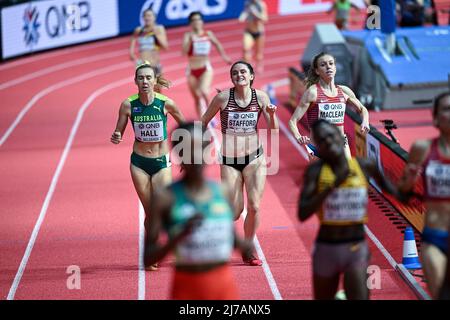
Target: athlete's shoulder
[262,96]
[260,92]
[223,95]
[159,27]
[130,99]
[311,93]
[345,89]
[161,97]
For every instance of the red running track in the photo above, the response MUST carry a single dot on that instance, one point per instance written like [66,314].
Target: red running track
[66,193]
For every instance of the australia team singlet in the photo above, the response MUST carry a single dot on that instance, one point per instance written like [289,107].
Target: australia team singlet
[149,122]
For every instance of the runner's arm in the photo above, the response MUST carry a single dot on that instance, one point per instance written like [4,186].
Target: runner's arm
[174,111]
[268,109]
[124,114]
[219,47]
[360,108]
[216,104]
[308,97]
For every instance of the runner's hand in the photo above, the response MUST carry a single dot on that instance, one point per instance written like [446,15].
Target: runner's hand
[365,127]
[271,108]
[116,137]
[303,140]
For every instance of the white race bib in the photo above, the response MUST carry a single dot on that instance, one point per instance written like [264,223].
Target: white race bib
[201,48]
[242,121]
[212,241]
[149,131]
[332,112]
[147,43]
[345,204]
[438,179]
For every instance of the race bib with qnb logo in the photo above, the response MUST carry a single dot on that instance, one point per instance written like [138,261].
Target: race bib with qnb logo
[212,241]
[438,179]
[242,121]
[346,204]
[201,48]
[149,131]
[332,112]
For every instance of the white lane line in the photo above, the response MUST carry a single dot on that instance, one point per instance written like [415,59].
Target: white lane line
[54,182]
[172,67]
[267,272]
[54,87]
[141,274]
[58,67]
[125,41]
[398,267]
[230,44]
[62,84]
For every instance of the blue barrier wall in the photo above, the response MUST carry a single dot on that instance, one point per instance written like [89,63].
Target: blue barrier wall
[175,12]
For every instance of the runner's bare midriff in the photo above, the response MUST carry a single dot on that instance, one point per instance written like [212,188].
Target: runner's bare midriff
[239,145]
[151,149]
[197,62]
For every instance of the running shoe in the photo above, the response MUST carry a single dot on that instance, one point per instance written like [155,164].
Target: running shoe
[252,260]
[152,267]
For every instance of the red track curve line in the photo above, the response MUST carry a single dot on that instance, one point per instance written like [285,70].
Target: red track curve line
[59,85]
[57,173]
[54,182]
[116,53]
[106,42]
[58,67]
[54,87]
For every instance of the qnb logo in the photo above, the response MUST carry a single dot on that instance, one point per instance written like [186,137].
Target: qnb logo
[61,19]
[31,26]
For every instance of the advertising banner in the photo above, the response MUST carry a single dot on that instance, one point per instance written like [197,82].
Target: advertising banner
[40,25]
[390,159]
[176,12]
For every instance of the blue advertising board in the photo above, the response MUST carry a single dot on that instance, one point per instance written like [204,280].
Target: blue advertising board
[175,12]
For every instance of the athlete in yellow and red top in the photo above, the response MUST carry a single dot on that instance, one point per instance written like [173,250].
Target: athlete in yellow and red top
[335,187]
[325,100]
[197,46]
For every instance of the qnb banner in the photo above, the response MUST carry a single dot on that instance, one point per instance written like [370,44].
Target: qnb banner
[176,12]
[39,25]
